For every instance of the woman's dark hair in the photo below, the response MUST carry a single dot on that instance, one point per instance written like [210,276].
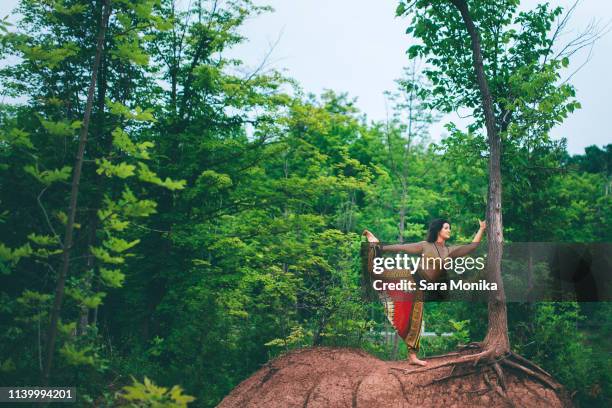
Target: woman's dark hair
[434,228]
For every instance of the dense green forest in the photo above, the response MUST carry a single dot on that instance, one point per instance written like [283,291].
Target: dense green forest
[219,208]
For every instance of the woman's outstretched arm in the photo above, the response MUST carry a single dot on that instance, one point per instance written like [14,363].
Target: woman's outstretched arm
[415,248]
[462,250]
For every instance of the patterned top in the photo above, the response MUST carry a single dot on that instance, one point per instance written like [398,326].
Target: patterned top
[435,253]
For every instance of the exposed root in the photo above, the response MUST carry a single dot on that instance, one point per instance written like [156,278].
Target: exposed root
[355,391]
[541,378]
[478,391]
[310,392]
[451,371]
[475,358]
[488,357]
[498,390]
[501,376]
[443,355]
[528,363]
[401,386]
[271,371]
[446,377]
[487,354]
[532,391]
[451,375]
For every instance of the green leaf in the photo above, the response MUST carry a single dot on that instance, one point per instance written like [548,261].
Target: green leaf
[93,301]
[121,170]
[145,174]
[129,50]
[77,357]
[103,255]
[59,6]
[112,277]
[119,245]
[49,58]
[117,108]
[565,62]
[49,177]
[122,141]
[149,394]
[17,137]
[131,206]
[14,255]
[400,9]
[43,240]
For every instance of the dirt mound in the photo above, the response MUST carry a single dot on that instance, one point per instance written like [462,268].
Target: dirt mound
[340,377]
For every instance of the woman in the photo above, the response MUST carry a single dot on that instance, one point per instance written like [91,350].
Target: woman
[406,314]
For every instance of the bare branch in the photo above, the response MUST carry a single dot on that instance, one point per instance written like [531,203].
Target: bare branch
[586,38]
[42,207]
[586,61]
[264,62]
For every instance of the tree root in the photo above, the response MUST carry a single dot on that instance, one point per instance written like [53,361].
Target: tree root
[533,392]
[271,371]
[443,355]
[402,387]
[311,391]
[498,390]
[472,358]
[488,357]
[541,378]
[526,362]
[483,390]
[446,377]
[501,376]
[451,375]
[355,391]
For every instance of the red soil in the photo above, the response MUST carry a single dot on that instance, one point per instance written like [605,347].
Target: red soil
[340,377]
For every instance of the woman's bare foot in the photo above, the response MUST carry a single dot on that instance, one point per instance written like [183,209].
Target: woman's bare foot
[412,359]
[369,236]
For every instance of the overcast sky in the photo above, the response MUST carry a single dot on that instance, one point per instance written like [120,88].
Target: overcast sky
[358,46]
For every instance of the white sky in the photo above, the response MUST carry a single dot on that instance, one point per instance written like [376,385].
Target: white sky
[358,46]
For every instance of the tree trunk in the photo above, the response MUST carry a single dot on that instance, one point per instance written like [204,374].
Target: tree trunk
[93,224]
[102,88]
[402,222]
[497,333]
[76,176]
[83,321]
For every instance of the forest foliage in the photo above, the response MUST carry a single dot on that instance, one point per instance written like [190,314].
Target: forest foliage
[220,206]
